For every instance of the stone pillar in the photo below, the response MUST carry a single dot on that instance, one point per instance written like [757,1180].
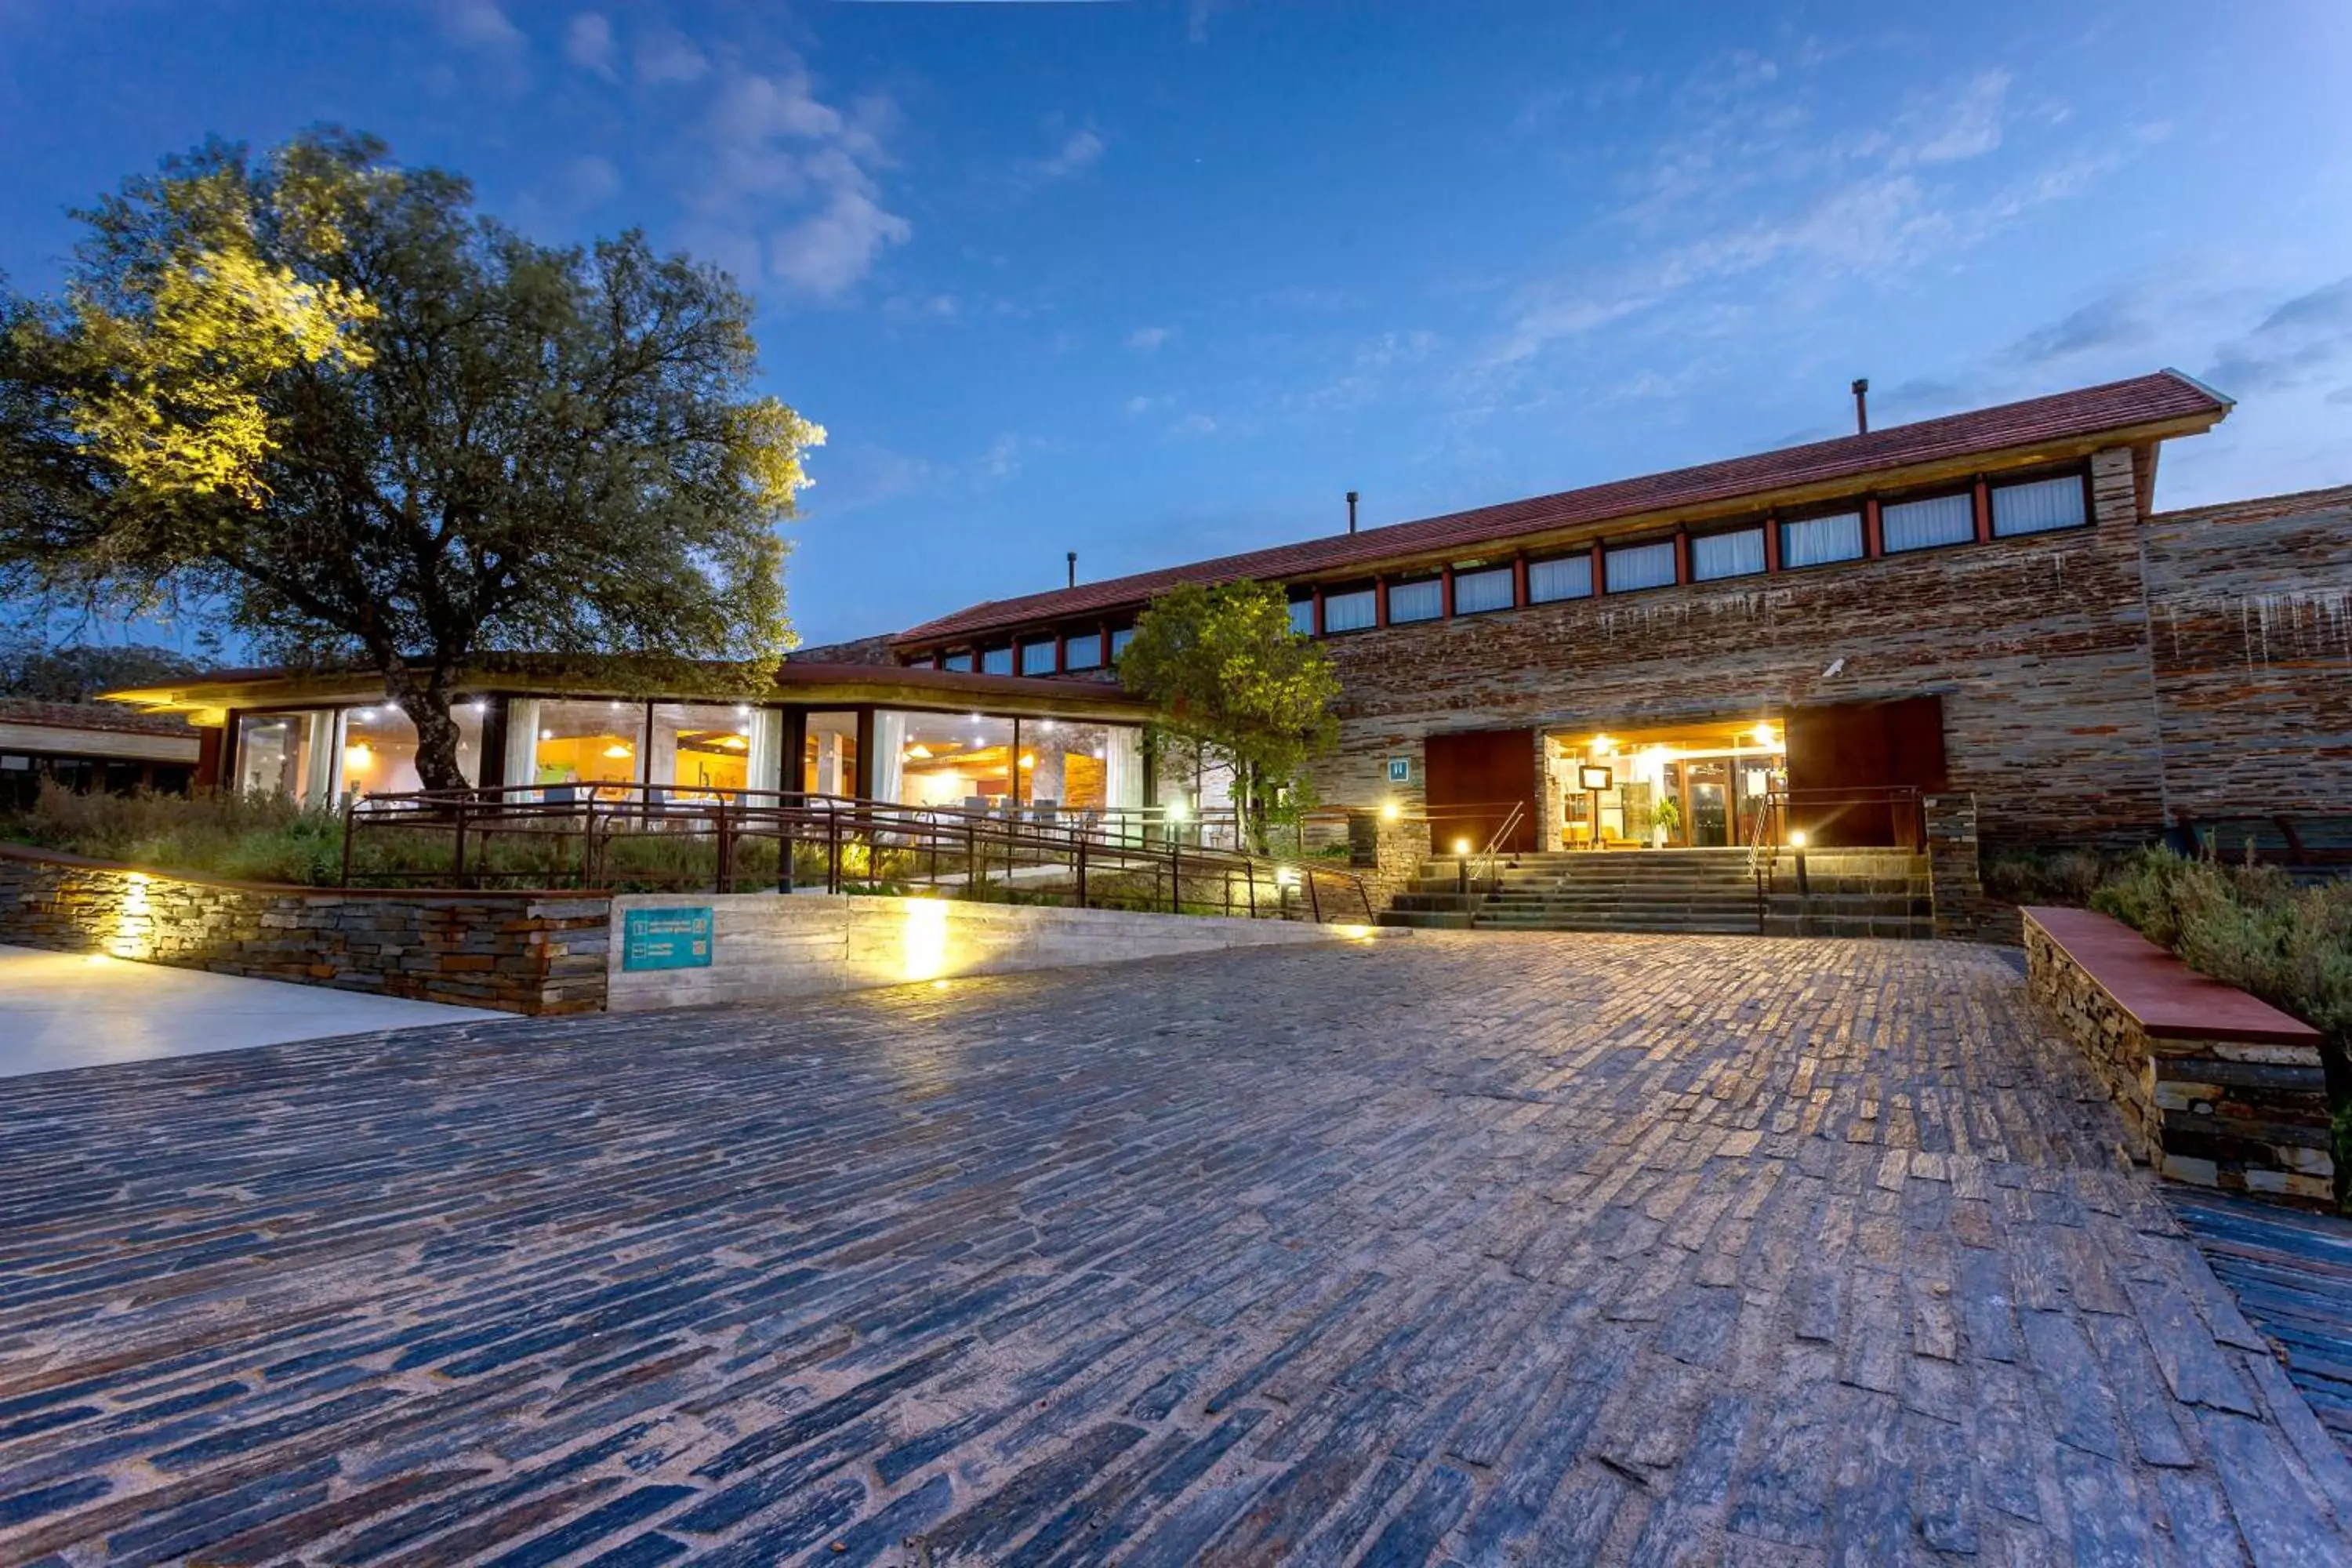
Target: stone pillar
[1387,854]
[1955,884]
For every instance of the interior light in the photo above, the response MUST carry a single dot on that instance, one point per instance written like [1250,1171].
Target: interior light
[919,753]
[617,749]
[482,707]
[1764,736]
[1099,753]
[736,743]
[1028,761]
[743,710]
[1602,745]
[547,734]
[357,756]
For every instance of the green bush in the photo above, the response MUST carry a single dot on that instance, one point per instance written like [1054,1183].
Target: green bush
[2045,876]
[2251,927]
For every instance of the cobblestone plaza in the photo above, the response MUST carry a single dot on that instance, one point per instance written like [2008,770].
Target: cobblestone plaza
[1496,1250]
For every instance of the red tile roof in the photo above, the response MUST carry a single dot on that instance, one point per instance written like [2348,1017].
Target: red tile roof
[2143,400]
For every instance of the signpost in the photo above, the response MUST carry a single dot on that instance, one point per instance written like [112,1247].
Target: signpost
[1594,781]
[666,939]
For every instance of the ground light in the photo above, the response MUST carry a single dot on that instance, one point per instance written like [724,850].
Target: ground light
[1390,811]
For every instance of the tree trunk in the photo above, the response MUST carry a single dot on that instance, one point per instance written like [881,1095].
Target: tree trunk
[426,703]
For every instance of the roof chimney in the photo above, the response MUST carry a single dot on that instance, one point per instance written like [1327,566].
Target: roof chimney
[1352,511]
[1072,556]
[1862,406]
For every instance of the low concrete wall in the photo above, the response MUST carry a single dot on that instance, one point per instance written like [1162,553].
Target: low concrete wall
[2241,1116]
[518,952]
[767,947]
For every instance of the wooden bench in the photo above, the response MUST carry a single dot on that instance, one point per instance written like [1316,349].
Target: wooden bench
[2221,1089]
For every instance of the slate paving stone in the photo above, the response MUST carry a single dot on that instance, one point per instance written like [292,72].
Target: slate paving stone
[1456,1249]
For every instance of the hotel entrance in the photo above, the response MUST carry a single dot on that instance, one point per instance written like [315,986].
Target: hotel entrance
[1702,785]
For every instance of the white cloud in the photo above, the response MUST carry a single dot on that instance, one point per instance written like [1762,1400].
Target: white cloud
[480,25]
[787,187]
[1967,125]
[668,58]
[1148,339]
[588,44]
[1193,424]
[1081,150]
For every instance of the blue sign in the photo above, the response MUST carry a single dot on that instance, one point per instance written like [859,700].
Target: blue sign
[1399,770]
[666,939]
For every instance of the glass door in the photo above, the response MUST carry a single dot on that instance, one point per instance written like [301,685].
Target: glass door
[1708,780]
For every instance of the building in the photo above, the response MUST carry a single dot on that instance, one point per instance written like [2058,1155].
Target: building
[1802,640]
[1806,637]
[88,747]
[875,731]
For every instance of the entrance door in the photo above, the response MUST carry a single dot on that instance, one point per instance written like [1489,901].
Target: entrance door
[1474,778]
[1708,780]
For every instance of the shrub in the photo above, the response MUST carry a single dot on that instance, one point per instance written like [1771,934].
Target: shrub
[2045,876]
[2251,927]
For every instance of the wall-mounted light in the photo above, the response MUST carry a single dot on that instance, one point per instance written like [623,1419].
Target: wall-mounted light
[618,750]
[1390,811]
[1461,847]
[1796,838]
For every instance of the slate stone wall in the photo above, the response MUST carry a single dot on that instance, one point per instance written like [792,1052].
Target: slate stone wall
[2250,611]
[2233,1115]
[525,952]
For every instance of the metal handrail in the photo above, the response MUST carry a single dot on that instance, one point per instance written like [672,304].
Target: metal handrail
[943,846]
[1495,840]
[1764,845]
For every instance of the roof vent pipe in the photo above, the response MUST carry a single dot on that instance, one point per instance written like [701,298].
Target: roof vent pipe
[1862,406]
[1352,511]
[1072,556]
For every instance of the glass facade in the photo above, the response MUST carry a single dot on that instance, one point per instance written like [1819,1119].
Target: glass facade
[585,748]
[377,751]
[284,754]
[697,749]
[829,754]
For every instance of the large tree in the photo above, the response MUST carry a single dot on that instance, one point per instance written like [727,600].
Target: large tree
[1238,691]
[316,396]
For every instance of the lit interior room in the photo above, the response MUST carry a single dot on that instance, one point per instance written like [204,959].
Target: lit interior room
[1702,786]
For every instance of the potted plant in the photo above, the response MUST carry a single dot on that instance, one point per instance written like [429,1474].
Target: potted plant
[1666,820]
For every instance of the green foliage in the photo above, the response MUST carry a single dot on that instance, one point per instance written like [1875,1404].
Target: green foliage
[1237,689]
[31,668]
[316,396]
[2251,927]
[2066,876]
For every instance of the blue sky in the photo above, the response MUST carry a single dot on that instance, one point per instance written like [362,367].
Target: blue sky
[1154,281]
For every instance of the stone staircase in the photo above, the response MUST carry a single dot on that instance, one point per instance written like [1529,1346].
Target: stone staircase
[1847,893]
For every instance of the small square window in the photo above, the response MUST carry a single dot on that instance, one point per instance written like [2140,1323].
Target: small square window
[1715,556]
[2038,507]
[1475,592]
[1631,566]
[1422,601]
[1562,577]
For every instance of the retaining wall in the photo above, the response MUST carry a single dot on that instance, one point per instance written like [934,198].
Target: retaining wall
[766,947]
[518,952]
[2247,1116]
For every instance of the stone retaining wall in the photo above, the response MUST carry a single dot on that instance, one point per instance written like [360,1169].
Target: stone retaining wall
[767,947]
[2235,1115]
[518,952]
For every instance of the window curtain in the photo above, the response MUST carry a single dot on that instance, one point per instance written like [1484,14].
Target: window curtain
[1736,554]
[1924,525]
[1566,577]
[1641,566]
[1818,541]
[2038,507]
[1423,601]
[1349,612]
[1302,616]
[326,759]
[1123,778]
[890,754]
[1477,591]
[767,737]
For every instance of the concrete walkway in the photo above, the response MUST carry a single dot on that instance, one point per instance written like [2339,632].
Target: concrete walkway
[1501,1250]
[77,1010]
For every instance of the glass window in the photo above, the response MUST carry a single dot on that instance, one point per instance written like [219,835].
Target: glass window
[1631,566]
[698,749]
[1924,525]
[1561,577]
[2038,507]
[1119,641]
[1083,650]
[829,754]
[1488,590]
[1422,601]
[960,660]
[947,761]
[996,660]
[1818,541]
[276,754]
[1037,658]
[1718,555]
[1348,611]
[380,748]
[1302,616]
[584,746]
